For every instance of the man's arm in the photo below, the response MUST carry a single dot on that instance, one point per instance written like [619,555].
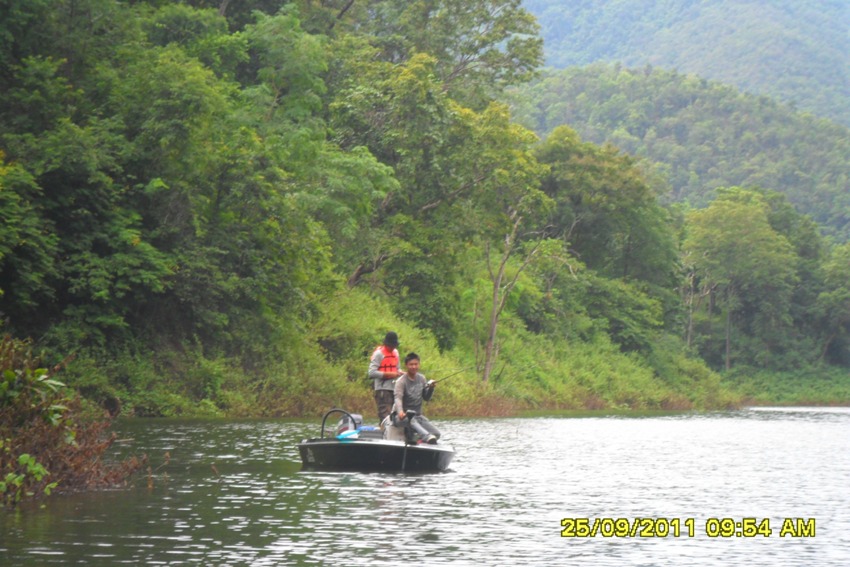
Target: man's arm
[375,363]
[398,395]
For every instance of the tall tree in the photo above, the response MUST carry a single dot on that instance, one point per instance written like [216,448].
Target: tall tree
[733,247]
[607,210]
[411,243]
[609,214]
[27,250]
[511,212]
[833,305]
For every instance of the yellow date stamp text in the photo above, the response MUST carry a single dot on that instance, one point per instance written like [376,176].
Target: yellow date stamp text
[686,527]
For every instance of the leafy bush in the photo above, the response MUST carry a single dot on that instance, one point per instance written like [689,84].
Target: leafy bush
[47,439]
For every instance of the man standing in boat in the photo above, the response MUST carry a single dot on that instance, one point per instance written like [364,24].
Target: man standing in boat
[384,368]
[410,391]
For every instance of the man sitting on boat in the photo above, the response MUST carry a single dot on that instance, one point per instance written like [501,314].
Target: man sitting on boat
[411,389]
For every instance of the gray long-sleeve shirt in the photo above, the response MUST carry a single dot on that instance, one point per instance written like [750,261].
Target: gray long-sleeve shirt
[410,393]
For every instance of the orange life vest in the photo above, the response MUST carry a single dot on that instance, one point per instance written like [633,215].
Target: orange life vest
[390,360]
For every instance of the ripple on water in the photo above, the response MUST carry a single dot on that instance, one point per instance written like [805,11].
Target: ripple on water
[232,493]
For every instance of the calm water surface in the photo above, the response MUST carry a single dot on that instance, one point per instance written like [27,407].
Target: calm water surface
[233,493]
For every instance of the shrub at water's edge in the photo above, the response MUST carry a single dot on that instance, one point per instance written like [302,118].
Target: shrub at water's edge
[47,440]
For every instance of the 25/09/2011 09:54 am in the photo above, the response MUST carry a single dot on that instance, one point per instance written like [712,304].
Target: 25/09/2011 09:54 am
[687,527]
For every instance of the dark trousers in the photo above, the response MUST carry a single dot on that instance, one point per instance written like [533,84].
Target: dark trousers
[384,400]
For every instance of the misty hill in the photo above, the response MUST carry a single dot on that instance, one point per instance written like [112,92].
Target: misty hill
[796,52]
[704,134]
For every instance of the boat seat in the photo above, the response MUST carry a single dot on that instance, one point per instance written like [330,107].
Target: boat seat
[392,432]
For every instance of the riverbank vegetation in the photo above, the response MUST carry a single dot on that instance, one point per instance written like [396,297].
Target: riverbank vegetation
[220,209]
[48,440]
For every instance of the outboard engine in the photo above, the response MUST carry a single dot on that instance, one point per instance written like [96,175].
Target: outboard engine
[349,422]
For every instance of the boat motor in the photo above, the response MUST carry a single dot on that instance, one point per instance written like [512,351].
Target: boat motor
[349,422]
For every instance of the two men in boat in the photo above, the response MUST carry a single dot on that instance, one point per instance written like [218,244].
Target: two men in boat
[399,392]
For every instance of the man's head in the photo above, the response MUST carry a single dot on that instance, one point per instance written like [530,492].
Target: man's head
[411,362]
[391,339]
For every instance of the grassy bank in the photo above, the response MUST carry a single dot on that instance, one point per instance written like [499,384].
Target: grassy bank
[816,386]
[534,373]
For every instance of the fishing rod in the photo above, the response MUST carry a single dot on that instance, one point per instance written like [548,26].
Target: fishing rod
[455,374]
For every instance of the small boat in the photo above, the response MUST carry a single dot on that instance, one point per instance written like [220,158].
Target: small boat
[355,447]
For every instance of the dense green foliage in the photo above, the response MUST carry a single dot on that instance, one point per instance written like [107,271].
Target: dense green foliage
[794,52]
[704,135]
[221,207]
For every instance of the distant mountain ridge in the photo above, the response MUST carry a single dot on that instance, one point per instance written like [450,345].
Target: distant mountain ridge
[796,52]
[702,134]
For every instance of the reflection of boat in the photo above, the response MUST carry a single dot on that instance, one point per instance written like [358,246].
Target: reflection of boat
[361,448]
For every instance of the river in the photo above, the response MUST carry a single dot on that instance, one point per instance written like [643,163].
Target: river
[519,491]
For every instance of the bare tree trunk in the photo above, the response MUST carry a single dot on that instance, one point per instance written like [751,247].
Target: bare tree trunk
[826,346]
[693,299]
[712,303]
[728,335]
[689,334]
[501,293]
[476,343]
[490,346]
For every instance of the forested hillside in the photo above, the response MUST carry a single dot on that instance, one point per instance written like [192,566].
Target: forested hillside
[702,134]
[795,52]
[221,207]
